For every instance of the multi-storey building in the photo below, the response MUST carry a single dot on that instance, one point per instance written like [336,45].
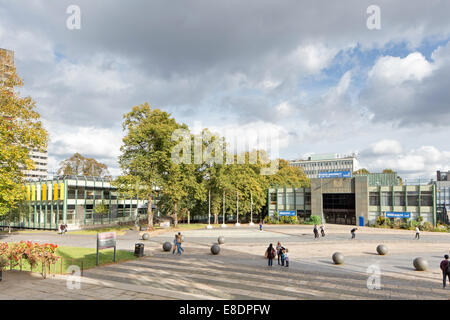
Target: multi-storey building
[443,196]
[322,164]
[40,158]
[359,200]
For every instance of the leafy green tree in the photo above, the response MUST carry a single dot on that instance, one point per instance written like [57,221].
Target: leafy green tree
[288,175]
[146,152]
[20,131]
[362,171]
[79,165]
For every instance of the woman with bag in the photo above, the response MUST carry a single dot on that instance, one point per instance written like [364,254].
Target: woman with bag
[270,254]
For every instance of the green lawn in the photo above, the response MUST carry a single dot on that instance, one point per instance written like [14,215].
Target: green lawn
[83,257]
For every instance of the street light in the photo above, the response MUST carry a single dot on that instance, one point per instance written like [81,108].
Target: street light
[251,209]
[209,226]
[237,224]
[223,210]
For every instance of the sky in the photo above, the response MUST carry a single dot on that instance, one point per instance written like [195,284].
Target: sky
[310,73]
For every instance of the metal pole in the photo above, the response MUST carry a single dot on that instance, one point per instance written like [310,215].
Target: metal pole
[251,209]
[223,211]
[237,209]
[209,226]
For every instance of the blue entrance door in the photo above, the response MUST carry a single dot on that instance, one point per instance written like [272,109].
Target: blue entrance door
[361,221]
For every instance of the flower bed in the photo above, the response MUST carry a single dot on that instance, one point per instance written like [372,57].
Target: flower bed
[13,254]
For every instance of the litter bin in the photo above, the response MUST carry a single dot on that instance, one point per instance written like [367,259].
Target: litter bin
[139,249]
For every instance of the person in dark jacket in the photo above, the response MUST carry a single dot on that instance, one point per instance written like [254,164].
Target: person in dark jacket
[445,267]
[316,232]
[353,232]
[270,253]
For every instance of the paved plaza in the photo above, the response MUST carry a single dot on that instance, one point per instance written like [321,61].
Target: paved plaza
[240,271]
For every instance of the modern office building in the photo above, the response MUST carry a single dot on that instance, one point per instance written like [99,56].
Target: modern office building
[358,200]
[318,164]
[443,197]
[72,200]
[40,158]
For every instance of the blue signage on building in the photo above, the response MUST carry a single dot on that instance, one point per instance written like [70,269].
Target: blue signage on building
[335,174]
[292,213]
[391,214]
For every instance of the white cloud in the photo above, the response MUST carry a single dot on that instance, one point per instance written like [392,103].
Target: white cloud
[387,147]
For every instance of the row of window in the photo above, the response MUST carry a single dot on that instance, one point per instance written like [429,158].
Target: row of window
[399,198]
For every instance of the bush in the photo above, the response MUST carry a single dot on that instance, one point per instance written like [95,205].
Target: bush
[381,220]
[427,227]
[315,219]
[289,220]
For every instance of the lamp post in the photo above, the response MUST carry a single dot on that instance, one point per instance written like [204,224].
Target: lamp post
[209,226]
[251,209]
[237,224]
[223,211]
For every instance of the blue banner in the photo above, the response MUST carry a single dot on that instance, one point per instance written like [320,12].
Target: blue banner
[292,213]
[391,214]
[335,174]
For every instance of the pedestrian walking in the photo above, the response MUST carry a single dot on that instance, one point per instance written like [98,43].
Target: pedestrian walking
[417,233]
[260,226]
[322,230]
[445,267]
[270,254]
[279,249]
[286,257]
[174,244]
[316,232]
[353,232]
[179,239]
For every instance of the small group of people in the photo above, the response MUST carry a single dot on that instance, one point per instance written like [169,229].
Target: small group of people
[177,243]
[279,251]
[316,231]
[62,228]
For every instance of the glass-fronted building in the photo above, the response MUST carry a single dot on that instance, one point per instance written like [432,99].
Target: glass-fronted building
[72,200]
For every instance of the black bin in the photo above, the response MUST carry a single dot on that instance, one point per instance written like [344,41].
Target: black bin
[139,249]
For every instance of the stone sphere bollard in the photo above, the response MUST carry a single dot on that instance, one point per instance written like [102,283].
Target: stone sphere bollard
[145,236]
[382,249]
[420,264]
[221,240]
[215,249]
[338,258]
[167,246]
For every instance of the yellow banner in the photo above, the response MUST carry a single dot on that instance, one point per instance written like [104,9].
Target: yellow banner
[61,191]
[33,192]
[44,192]
[28,192]
[55,191]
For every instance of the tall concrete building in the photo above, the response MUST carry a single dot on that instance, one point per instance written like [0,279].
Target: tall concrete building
[320,165]
[40,158]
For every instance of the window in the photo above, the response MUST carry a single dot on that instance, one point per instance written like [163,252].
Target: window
[413,198]
[399,198]
[386,199]
[426,198]
[374,199]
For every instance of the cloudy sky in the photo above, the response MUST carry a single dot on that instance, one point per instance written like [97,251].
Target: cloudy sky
[310,71]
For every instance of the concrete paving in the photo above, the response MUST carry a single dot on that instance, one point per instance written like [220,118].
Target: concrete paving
[240,271]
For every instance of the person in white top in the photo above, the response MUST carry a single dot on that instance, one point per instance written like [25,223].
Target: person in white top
[417,233]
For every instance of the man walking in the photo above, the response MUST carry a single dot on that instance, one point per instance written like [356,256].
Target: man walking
[445,267]
[417,233]
[322,230]
[353,232]
[316,232]
[179,239]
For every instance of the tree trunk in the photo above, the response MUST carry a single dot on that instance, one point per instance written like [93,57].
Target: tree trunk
[216,218]
[150,212]
[189,217]
[175,215]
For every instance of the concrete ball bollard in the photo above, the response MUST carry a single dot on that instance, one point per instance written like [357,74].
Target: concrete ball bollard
[382,249]
[215,249]
[167,246]
[145,236]
[221,240]
[420,264]
[338,258]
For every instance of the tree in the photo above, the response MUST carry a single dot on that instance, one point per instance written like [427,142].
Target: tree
[79,165]
[146,152]
[20,131]
[388,171]
[362,171]
[288,175]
